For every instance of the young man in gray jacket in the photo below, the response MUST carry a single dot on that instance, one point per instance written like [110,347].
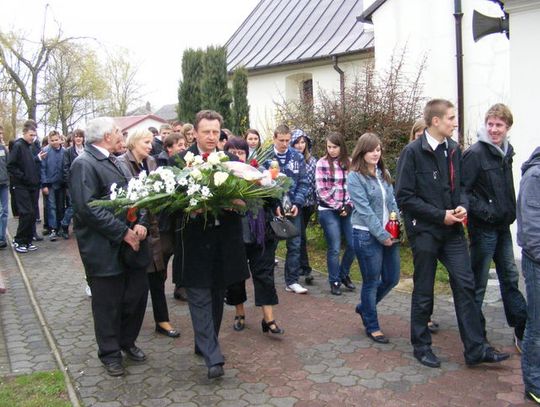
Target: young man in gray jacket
[528,237]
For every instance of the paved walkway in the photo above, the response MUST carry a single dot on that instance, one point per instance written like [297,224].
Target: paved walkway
[323,359]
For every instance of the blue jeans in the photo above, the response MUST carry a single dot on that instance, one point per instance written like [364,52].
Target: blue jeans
[55,212]
[379,266]
[292,260]
[4,209]
[334,226]
[487,244]
[530,359]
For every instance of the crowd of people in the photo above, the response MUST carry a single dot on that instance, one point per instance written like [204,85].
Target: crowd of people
[437,193]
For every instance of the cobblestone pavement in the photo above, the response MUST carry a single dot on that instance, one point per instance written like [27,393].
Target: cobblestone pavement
[324,358]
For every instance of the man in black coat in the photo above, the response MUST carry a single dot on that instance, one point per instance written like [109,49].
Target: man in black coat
[209,256]
[119,294]
[434,207]
[25,183]
[489,184]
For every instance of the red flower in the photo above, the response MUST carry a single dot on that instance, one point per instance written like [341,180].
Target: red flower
[254,163]
[205,156]
[131,214]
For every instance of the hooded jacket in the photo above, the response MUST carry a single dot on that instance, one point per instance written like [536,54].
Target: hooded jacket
[489,183]
[528,208]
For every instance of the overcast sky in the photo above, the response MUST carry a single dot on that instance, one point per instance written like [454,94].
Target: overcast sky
[155,31]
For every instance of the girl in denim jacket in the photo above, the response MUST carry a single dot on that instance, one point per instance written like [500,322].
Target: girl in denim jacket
[370,189]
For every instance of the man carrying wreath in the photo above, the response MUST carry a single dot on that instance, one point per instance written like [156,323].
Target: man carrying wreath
[209,254]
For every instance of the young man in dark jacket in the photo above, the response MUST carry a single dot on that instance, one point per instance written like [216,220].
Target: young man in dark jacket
[25,184]
[528,237]
[4,190]
[52,181]
[434,207]
[293,165]
[489,184]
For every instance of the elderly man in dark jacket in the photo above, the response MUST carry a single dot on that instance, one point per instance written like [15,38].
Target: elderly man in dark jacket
[489,183]
[209,256]
[119,294]
[434,206]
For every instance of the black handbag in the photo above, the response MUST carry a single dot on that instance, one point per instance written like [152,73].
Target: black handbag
[131,259]
[283,228]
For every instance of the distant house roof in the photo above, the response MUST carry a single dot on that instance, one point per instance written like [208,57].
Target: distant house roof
[167,112]
[280,32]
[126,122]
[365,17]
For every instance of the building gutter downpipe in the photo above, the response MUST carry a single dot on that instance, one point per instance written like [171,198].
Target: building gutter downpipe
[458,15]
[341,82]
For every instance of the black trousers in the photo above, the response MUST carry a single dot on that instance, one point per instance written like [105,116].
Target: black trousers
[25,199]
[454,255]
[156,281]
[307,212]
[261,265]
[118,307]
[206,310]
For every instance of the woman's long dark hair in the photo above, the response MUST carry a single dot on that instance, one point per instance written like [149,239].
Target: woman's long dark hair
[366,144]
[343,157]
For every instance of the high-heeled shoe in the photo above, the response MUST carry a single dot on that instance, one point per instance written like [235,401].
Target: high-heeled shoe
[239,322]
[173,333]
[267,326]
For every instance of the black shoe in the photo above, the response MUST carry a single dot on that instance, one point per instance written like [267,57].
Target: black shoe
[491,355]
[347,282]
[198,351]
[215,371]
[173,333]
[64,233]
[3,244]
[334,289]
[433,326]
[239,322]
[114,368]
[529,395]
[267,327]
[309,279]
[180,294]
[359,312]
[377,338]
[136,354]
[427,358]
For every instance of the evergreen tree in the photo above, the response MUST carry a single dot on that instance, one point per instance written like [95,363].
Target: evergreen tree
[240,109]
[189,90]
[215,94]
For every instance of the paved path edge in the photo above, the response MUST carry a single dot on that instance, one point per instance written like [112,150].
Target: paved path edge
[72,394]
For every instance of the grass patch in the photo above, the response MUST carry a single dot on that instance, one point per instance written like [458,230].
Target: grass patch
[41,389]
[316,245]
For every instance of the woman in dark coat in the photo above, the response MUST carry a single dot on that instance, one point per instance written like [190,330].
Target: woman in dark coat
[260,250]
[137,158]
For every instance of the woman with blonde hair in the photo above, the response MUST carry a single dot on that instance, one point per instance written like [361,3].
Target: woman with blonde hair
[417,129]
[136,159]
[189,133]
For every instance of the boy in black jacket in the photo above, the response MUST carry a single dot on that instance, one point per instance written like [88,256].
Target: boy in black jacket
[25,183]
[434,208]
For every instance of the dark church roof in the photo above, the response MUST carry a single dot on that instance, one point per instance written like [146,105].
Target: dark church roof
[281,32]
[365,17]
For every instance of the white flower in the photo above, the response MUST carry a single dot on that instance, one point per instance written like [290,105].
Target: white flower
[193,202]
[196,174]
[142,175]
[220,177]
[198,160]
[182,181]
[213,158]
[114,194]
[267,179]
[188,158]
[193,188]
[221,155]
[158,185]
[205,192]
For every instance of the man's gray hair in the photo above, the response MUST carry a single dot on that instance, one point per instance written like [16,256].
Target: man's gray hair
[97,128]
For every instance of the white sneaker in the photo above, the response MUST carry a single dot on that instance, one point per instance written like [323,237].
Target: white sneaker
[296,288]
[88,291]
